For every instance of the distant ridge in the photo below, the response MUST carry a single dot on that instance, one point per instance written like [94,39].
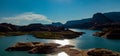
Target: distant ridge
[96,20]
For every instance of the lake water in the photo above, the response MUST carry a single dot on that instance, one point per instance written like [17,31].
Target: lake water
[86,41]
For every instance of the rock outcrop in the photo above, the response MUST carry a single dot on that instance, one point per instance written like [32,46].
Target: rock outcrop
[34,47]
[5,27]
[101,52]
[51,48]
[20,46]
[109,33]
[100,18]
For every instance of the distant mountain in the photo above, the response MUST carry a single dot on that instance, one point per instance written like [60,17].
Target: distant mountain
[77,23]
[32,27]
[106,20]
[57,24]
[98,19]
[5,27]
[115,16]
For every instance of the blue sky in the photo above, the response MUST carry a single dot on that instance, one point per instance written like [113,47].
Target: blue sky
[54,10]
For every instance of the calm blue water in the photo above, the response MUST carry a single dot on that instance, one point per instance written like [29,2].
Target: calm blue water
[86,41]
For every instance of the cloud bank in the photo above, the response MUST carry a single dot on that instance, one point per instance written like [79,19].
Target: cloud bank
[26,18]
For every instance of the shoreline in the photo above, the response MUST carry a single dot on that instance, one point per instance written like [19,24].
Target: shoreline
[49,48]
[46,34]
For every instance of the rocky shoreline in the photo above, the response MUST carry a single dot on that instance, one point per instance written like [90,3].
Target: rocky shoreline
[39,31]
[48,48]
[68,34]
[109,33]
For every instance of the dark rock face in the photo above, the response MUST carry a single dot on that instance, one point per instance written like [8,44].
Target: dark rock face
[78,23]
[114,16]
[100,18]
[4,27]
[109,33]
[106,25]
[41,27]
[57,24]
[21,47]
[97,20]
[104,21]
[32,27]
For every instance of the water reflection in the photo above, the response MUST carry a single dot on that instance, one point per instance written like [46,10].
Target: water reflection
[59,54]
[62,54]
[63,42]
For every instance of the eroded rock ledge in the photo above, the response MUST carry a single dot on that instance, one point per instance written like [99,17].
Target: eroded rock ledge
[48,48]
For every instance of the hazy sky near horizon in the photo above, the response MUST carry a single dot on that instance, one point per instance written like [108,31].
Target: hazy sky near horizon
[36,11]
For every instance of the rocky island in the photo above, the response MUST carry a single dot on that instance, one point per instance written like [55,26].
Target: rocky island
[49,48]
[109,33]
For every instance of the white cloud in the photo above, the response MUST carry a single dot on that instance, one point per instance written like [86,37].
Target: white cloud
[26,18]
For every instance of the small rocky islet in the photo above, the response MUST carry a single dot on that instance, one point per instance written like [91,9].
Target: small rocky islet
[49,48]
